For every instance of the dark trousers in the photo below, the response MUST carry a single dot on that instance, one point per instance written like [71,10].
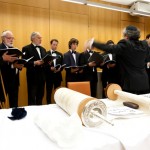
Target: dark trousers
[13,96]
[93,87]
[50,84]
[35,93]
[2,99]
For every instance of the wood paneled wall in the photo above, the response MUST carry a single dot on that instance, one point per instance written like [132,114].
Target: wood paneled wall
[62,20]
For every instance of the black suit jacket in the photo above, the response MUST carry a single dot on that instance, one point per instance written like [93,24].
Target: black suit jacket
[1,60]
[69,61]
[50,74]
[89,73]
[110,75]
[34,73]
[10,77]
[131,57]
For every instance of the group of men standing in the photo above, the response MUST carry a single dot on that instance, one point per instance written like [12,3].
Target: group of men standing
[37,72]
[77,66]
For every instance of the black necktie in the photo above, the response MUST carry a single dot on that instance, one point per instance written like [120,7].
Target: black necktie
[53,52]
[73,52]
[37,46]
[90,51]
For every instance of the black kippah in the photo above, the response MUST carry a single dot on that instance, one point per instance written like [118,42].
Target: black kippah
[131,28]
[18,113]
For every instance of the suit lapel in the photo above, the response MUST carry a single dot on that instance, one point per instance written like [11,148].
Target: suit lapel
[86,55]
[57,60]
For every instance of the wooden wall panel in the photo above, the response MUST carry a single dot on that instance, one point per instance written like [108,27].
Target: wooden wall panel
[33,3]
[104,24]
[65,26]
[68,7]
[94,22]
[147,26]
[128,17]
[23,21]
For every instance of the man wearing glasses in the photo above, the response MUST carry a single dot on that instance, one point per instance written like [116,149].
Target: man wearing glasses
[9,70]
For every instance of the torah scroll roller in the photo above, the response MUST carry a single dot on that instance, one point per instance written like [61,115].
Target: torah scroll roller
[91,110]
[114,92]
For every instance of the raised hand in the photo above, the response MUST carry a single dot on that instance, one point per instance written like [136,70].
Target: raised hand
[88,44]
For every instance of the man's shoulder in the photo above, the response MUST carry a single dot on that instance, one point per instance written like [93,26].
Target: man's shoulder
[144,42]
[27,46]
[43,48]
[2,46]
[59,53]
[123,41]
[78,53]
[67,53]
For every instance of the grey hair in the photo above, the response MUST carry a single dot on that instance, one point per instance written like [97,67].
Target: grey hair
[4,33]
[33,35]
[131,34]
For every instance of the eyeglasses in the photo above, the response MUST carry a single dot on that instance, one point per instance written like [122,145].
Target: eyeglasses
[9,38]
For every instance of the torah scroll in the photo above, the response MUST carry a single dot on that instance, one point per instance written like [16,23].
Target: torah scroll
[114,92]
[88,108]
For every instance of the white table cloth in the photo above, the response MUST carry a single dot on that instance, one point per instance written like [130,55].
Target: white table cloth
[24,134]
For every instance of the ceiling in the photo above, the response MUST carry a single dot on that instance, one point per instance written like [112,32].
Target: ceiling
[124,2]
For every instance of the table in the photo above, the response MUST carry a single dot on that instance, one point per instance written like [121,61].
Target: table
[24,134]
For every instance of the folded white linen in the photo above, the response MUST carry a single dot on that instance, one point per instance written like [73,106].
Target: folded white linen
[65,131]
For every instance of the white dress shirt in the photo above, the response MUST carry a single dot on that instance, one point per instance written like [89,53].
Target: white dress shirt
[74,55]
[53,54]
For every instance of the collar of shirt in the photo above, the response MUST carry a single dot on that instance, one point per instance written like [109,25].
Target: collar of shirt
[89,51]
[53,53]
[38,49]
[73,52]
[36,45]
[33,44]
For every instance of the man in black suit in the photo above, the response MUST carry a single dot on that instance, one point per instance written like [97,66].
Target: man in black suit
[53,75]
[9,70]
[35,70]
[89,71]
[3,59]
[132,55]
[71,58]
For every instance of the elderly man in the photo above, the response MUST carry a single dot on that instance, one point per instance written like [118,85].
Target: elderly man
[131,56]
[9,71]
[35,70]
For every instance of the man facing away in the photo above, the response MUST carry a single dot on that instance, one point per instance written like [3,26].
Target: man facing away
[53,73]
[131,56]
[35,70]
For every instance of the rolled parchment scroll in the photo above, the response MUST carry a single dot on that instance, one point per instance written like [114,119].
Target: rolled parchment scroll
[92,111]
